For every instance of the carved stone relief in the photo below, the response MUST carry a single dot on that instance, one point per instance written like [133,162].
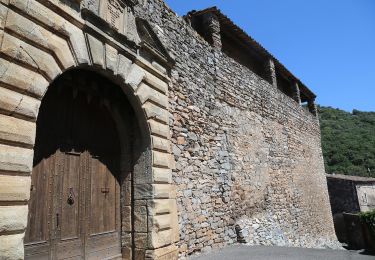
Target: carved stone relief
[117,13]
[150,39]
[366,197]
[113,11]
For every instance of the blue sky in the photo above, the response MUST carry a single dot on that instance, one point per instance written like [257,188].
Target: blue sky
[328,44]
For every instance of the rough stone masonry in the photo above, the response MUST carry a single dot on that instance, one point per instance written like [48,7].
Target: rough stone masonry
[228,148]
[249,163]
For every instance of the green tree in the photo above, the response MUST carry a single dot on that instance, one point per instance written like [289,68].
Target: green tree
[348,141]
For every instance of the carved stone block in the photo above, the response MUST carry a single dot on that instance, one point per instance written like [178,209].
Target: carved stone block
[113,12]
[117,13]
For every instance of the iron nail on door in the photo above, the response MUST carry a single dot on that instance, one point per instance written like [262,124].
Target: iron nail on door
[105,191]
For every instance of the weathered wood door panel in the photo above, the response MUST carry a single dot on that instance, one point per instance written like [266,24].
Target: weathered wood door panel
[69,206]
[103,199]
[75,196]
[104,221]
[38,237]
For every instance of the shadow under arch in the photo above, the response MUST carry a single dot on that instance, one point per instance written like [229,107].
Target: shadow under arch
[84,104]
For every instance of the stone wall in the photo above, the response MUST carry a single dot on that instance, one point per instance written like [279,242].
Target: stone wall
[351,194]
[343,195]
[247,156]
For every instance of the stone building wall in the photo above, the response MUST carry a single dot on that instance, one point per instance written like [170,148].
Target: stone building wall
[247,158]
[249,163]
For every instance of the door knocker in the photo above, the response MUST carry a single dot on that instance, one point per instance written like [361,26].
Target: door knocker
[71,196]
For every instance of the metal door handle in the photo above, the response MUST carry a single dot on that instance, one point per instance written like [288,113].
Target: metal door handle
[57,220]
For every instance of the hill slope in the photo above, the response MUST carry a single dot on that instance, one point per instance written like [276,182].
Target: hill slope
[348,141]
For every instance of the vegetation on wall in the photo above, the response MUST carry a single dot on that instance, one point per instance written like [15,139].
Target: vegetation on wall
[368,218]
[348,141]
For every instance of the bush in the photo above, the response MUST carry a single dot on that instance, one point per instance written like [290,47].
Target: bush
[368,218]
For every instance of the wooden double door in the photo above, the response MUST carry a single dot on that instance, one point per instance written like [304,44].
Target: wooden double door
[74,208]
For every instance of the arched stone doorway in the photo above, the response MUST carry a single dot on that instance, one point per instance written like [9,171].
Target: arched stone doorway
[31,63]
[80,201]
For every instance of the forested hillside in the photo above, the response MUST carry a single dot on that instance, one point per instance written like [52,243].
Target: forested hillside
[348,141]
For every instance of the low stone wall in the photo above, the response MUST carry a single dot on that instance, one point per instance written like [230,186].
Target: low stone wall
[351,194]
[246,154]
[343,195]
